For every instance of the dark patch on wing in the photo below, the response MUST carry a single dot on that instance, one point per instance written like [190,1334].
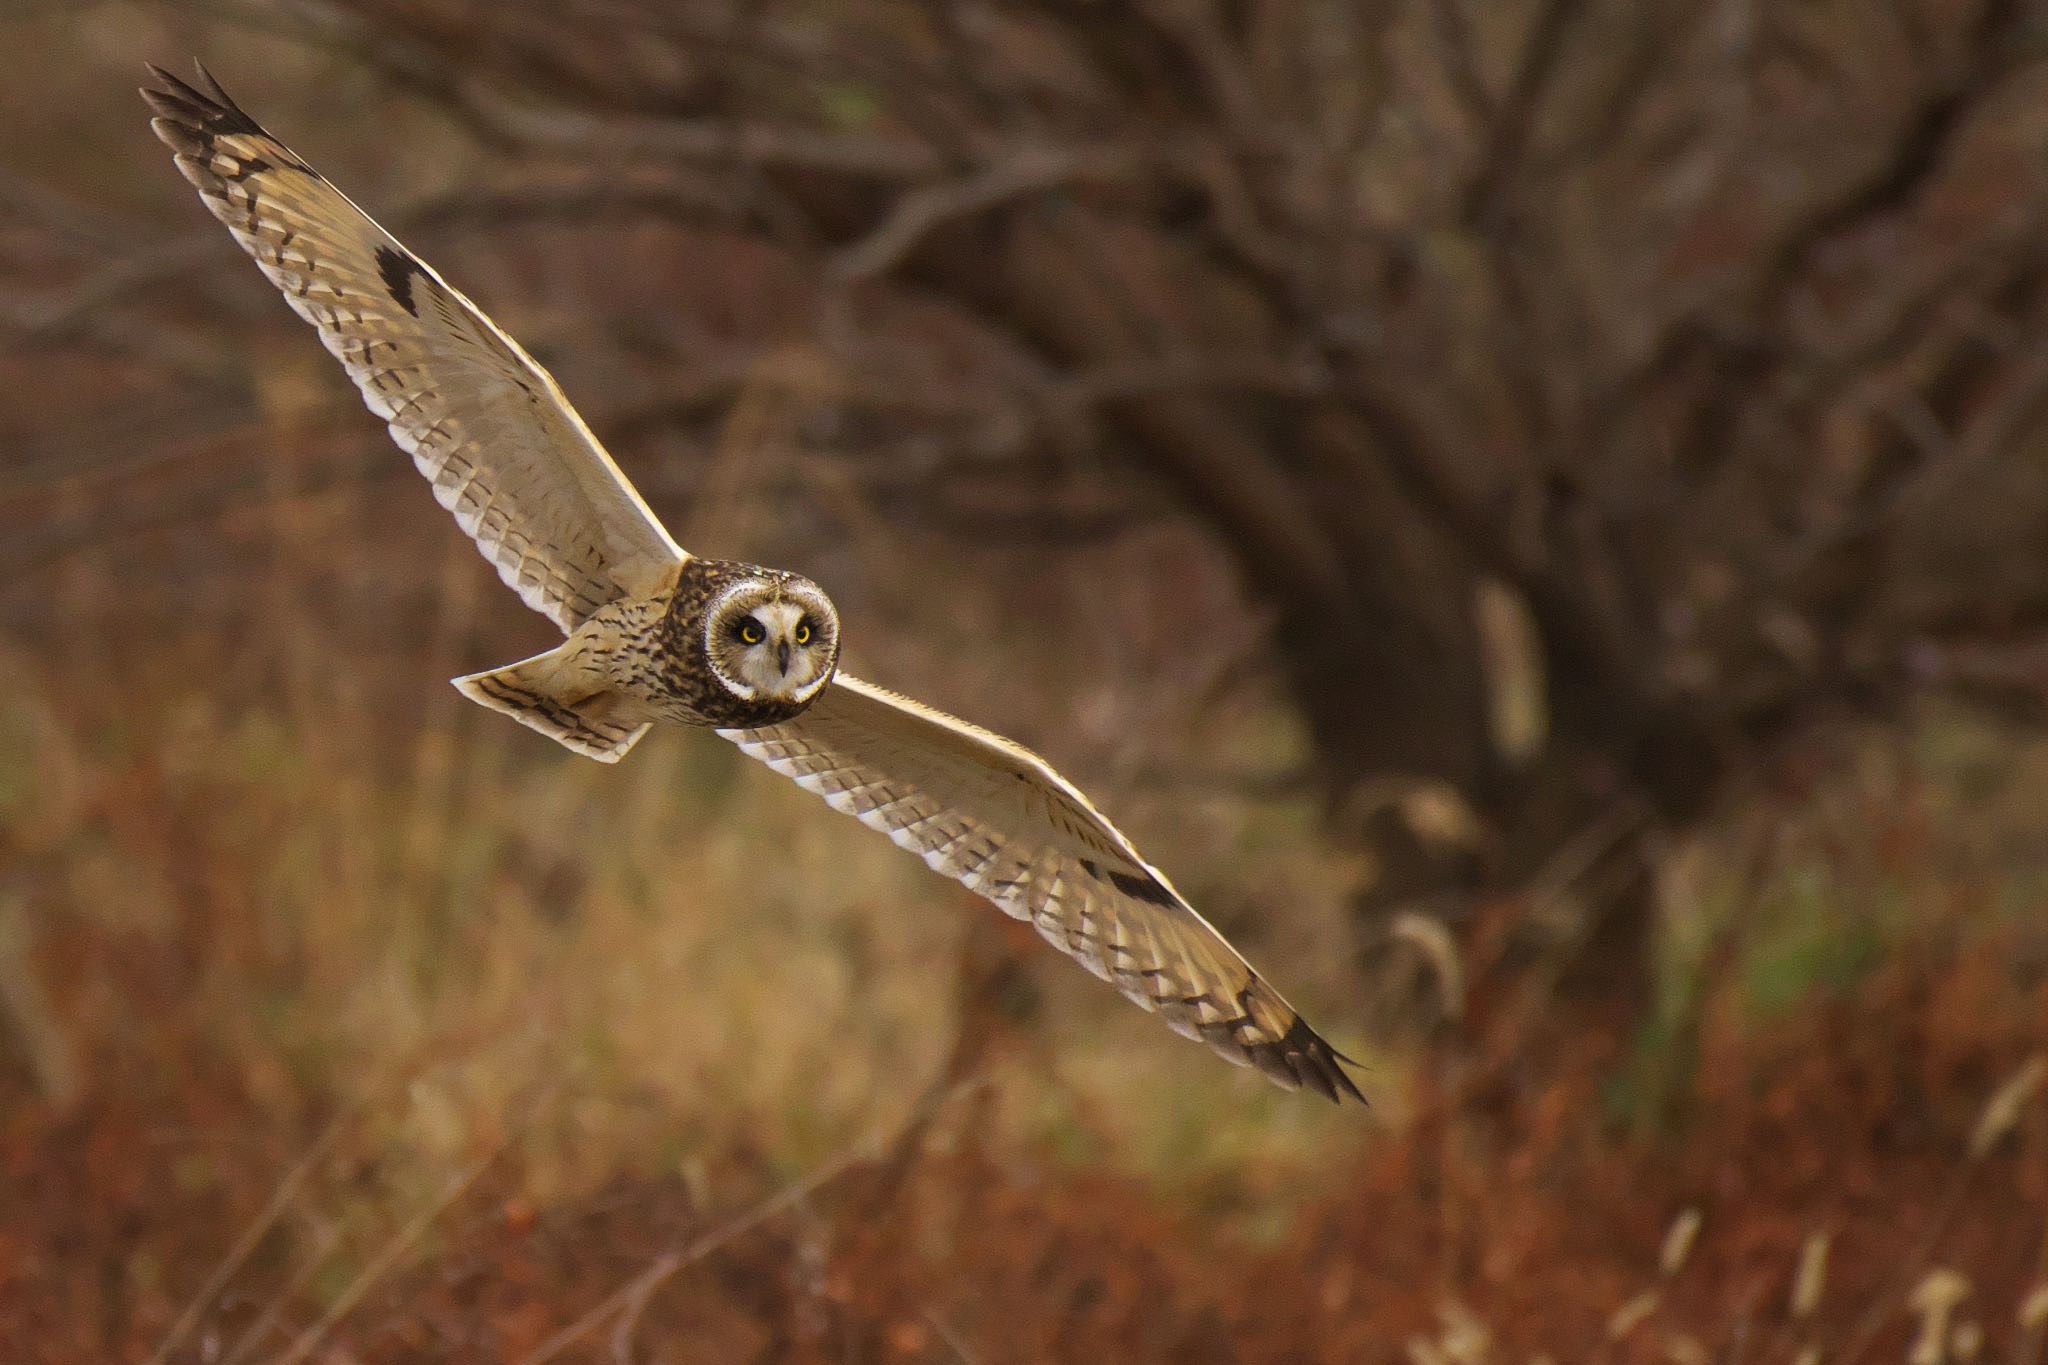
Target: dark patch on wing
[1141,888]
[397,270]
[1135,885]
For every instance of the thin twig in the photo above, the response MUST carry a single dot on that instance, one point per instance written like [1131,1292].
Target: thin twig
[393,1251]
[252,1236]
[951,1337]
[325,1240]
[920,211]
[1910,1266]
[1455,47]
[630,1299]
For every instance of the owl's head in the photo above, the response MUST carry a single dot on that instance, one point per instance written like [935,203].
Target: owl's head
[772,637]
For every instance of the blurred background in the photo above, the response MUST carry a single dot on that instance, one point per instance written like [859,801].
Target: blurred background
[1534,512]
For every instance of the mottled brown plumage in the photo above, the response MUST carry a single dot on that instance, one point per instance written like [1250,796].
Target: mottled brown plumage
[696,692]
[655,634]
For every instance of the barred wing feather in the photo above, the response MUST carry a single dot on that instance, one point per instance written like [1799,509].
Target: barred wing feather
[484,422]
[997,818]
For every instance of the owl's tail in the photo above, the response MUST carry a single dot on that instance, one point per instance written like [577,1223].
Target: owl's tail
[549,693]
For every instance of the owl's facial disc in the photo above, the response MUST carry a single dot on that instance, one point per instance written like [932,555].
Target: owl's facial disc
[773,638]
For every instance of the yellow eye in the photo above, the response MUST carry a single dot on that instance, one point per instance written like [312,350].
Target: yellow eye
[751,632]
[803,632]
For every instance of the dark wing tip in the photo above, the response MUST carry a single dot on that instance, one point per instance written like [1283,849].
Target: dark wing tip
[209,111]
[1301,1057]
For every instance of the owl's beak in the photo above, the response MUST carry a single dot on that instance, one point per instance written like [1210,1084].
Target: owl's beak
[782,655]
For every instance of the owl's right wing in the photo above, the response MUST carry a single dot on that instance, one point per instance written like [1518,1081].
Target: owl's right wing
[483,421]
[997,818]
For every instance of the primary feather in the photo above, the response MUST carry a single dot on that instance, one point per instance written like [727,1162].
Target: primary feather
[483,421]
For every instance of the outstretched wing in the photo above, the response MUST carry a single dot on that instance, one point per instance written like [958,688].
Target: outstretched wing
[486,424]
[994,816]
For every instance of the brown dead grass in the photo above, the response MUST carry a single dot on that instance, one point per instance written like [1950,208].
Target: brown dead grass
[361,1027]
[341,1020]
[1506,1227]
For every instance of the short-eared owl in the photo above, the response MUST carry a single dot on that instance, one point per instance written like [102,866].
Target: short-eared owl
[655,633]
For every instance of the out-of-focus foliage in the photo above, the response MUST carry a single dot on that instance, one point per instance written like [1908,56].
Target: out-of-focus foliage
[1355,439]
[1600,397]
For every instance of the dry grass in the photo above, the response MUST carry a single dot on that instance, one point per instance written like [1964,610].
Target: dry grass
[414,1039]
[684,930]
[341,1019]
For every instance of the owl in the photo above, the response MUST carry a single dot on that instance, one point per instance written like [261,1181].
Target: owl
[654,633]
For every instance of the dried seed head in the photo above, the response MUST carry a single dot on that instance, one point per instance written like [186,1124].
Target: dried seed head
[1630,1315]
[1463,1339]
[1935,1299]
[1423,1351]
[1678,1242]
[1429,937]
[1942,1287]
[2033,1313]
[1440,816]
[2002,1112]
[1687,1351]
[1812,1276]
[1465,1336]
[1511,658]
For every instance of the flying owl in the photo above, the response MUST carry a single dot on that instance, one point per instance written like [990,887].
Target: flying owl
[657,634]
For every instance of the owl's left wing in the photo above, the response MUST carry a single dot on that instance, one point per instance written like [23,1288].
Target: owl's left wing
[996,817]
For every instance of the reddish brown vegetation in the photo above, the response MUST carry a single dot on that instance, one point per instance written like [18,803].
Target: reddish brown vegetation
[1506,1198]
[1090,311]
